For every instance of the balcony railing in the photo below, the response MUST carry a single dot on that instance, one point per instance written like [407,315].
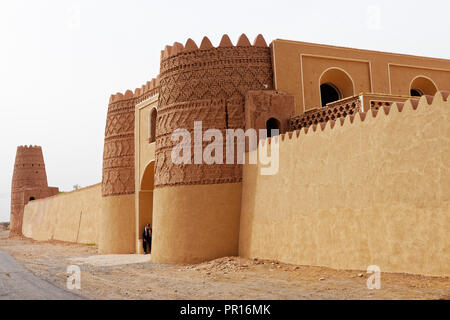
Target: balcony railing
[331,111]
[345,107]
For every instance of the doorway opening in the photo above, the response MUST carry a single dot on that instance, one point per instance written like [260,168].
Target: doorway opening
[145,210]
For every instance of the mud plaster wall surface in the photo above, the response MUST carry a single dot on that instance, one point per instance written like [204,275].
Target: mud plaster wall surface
[298,67]
[71,217]
[117,228]
[371,192]
[192,224]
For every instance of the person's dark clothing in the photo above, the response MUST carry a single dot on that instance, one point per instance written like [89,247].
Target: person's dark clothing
[147,240]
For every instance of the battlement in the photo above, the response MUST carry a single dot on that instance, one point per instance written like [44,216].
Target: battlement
[26,148]
[358,117]
[177,48]
[147,90]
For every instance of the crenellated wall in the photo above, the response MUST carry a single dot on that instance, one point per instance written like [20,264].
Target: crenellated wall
[29,183]
[370,189]
[197,207]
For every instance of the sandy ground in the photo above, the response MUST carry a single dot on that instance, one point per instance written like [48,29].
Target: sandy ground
[134,277]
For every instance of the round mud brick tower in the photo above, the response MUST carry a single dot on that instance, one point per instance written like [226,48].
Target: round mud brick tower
[28,182]
[117,221]
[197,206]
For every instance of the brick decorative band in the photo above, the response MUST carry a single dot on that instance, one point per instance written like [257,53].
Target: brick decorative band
[209,85]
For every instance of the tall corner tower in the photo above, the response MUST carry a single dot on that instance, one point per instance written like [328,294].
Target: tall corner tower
[197,206]
[29,183]
[117,222]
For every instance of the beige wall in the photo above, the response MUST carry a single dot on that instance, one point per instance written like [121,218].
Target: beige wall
[298,67]
[371,192]
[117,225]
[196,223]
[71,217]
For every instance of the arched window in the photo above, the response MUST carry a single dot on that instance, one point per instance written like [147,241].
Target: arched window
[329,93]
[335,84]
[272,124]
[422,86]
[152,125]
[415,93]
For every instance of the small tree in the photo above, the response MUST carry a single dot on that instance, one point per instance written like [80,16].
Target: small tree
[76,187]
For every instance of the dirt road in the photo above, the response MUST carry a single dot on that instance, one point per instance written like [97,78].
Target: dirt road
[125,277]
[17,283]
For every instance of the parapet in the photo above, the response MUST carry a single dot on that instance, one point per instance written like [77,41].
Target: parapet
[190,46]
[360,117]
[147,90]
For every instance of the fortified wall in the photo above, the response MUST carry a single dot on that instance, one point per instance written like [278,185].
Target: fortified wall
[362,180]
[29,183]
[70,216]
[368,189]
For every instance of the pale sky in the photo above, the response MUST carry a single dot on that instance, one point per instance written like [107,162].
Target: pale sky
[61,60]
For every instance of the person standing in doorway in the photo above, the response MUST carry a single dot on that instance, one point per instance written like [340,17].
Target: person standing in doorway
[147,238]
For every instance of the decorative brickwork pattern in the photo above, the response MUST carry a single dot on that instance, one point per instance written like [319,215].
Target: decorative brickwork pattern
[206,84]
[376,105]
[118,154]
[375,109]
[333,111]
[29,183]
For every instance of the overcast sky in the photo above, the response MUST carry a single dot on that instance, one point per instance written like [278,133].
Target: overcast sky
[61,60]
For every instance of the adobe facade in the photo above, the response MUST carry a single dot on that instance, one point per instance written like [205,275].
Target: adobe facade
[316,209]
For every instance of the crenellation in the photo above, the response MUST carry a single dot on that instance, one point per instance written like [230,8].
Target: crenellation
[243,41]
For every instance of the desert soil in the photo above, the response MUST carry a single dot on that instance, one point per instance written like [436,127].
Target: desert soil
[134,277]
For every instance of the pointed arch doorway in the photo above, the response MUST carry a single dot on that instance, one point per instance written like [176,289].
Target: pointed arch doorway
[145,206]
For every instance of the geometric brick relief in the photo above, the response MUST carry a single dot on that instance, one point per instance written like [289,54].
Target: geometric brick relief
[118,153]
[206,84]
[332,111]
